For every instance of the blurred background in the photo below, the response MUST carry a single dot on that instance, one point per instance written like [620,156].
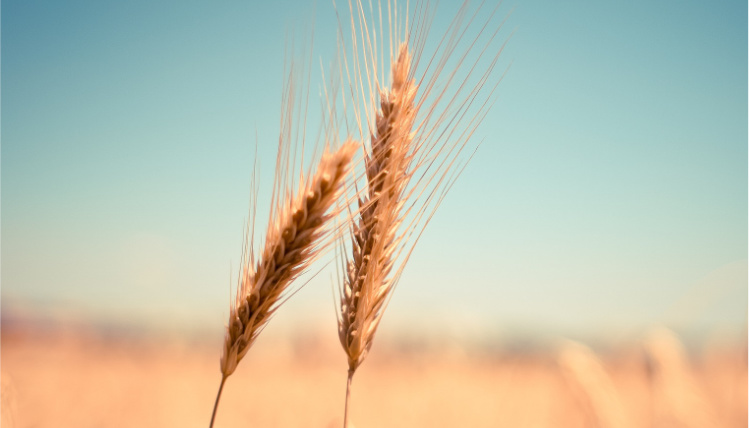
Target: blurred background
[589,267]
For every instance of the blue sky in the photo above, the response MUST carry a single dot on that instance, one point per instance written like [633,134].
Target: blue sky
[610,190]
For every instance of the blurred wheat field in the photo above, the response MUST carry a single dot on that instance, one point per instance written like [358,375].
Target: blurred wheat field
[71,379]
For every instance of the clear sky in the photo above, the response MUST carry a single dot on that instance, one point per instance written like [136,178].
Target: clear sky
[610,190]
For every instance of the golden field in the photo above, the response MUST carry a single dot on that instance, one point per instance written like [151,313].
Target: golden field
[85,378]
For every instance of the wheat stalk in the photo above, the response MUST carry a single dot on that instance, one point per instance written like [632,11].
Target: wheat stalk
[293,240]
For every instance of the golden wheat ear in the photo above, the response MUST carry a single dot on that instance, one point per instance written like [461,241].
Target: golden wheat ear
[416,128]
[367,283]
[292,242]
[295,237]
[374,229]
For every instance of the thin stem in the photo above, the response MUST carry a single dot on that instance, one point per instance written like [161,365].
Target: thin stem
[218,397]
[348,393]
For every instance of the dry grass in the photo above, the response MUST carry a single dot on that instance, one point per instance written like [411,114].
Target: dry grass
[65,380]
[678,400]
[593,386]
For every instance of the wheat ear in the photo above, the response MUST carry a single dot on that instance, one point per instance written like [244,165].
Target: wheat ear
[367,284]
[417,128]
[293,240]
